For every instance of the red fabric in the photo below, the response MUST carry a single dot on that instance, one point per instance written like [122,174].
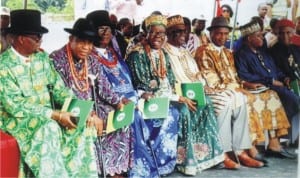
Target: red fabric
[219,9]
[9,156]
[296,40]
[285,23]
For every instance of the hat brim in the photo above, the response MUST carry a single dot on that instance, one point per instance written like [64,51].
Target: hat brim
[89,35]
[111,25]
[221,26]
[41,30]
[107,24]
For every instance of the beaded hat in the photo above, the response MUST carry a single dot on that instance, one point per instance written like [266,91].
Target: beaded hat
[175,20]
[155,20]
[249,28]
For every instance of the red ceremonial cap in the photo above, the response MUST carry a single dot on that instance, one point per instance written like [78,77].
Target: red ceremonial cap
[285,23]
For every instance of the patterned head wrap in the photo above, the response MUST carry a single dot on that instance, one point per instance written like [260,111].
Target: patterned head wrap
[175,20]
[155,20]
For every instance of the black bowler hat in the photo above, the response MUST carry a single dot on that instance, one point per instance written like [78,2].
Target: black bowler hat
[219,22]
[82,29]
[26,22]
[99,18]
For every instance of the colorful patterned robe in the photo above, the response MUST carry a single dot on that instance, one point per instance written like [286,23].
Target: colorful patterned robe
[194,153]
[207,145]
[48,149]
[265,110]
[116,150]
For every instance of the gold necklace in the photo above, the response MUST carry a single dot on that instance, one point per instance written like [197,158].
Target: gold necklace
[183,60]
[185,66]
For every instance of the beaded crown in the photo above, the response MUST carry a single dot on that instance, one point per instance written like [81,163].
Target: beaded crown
[249,28]
[155,20]
[175,20]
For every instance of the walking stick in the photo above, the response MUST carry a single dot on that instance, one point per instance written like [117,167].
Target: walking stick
[99,139]
[50,90]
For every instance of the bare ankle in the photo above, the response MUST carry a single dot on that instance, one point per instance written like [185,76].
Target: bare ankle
[274,144]
[252,151]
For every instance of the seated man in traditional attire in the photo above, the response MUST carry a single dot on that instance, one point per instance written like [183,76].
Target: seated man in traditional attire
[257,69]
[80,69]
[153,75]
[186,71]
[286,54]
[49,144]
[217,68]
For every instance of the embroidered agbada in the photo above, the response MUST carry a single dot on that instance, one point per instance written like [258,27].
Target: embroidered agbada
[162,133]
[48,149]
[206,139]
[144,132]
[189,145]
[117,73]
[259,67]
[264,109]
[116,150]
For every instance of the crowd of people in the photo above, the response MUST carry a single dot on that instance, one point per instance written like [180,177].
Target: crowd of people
[247,91]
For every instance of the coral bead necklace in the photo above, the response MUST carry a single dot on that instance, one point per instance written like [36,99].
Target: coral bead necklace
[80,78]
[159,67]
[111,53]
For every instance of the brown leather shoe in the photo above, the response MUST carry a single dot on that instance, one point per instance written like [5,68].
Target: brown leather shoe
[249,162]
[230,164]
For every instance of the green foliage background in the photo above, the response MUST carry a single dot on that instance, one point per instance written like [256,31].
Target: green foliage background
[55,9]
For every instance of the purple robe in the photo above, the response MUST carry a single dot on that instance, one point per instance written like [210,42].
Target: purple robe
[116,145]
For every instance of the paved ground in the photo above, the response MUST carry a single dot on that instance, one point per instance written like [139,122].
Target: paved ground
[278,168]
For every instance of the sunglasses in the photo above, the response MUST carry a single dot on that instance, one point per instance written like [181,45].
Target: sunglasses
[35,37]
[104,29]
[159,34]
[225,10]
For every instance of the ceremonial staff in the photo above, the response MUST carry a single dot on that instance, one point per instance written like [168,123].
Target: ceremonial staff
[50,90]
[99,139]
